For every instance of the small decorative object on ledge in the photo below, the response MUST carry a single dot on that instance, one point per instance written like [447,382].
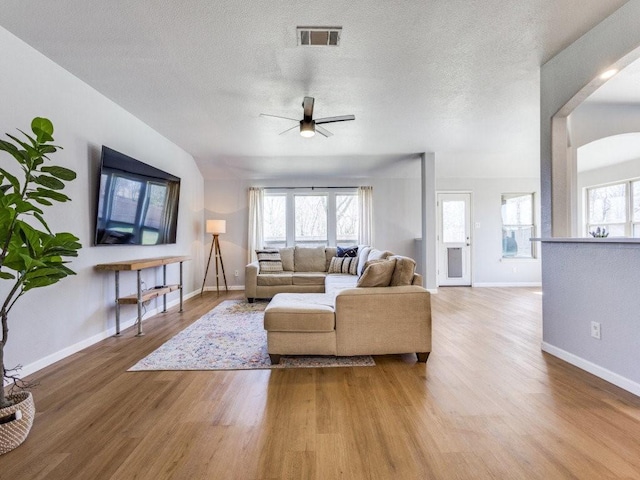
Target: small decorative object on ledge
[599,233]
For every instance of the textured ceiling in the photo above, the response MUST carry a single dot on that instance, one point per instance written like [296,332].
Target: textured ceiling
[455,77]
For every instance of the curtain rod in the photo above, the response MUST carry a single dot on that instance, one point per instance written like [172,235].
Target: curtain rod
[308,188]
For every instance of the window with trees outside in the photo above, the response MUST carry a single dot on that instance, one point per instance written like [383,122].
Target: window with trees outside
[517,225]
[310,218]
[614,208]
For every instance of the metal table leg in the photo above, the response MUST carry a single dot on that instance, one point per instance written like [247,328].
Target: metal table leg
[117,303]
[164,283]
[181,286]
[139,334]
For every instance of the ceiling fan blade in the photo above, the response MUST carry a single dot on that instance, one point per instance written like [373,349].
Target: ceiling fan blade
[323,131]
[307,105]
[288,130]
[278,116]
[340,118]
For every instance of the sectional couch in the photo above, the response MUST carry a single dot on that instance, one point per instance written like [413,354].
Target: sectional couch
[378,307]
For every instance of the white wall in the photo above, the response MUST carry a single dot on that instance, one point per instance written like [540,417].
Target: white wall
[52,322]
[397,219]
[489,268]
[578,275]
[591,122]
[396,205]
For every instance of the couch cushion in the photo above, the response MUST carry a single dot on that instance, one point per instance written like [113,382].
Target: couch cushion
[329,253]
[308,278]
[343,265]
[269,260]
[300,312]
[377,273]
[338,281]
[310,259]
[403,272]
[351,251]
[363,256]
[274,279]
[286,254]
[375,254]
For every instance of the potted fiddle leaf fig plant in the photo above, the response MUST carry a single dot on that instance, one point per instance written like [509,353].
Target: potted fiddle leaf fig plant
[31,255]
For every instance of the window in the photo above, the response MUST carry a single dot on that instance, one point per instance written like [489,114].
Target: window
[614,207]
[517,225]
[310,219]
[275,220]
[300,217]
[346,219]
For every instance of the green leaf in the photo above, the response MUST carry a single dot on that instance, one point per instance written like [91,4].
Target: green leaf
[41,282]
[41,192]
[32,152]
[43,272]
[7,276]
[49,182]
[48,149]
[43,128]
[12,150]
[42,221]
[27,261]
[42,201]
[60,172]
[15,183]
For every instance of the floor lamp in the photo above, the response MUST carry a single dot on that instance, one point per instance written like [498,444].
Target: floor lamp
[216,227]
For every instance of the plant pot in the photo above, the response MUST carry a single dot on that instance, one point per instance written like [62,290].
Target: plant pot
[16,421]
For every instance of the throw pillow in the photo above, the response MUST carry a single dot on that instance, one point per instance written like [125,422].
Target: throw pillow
[270,261]
[343,265]
[375,254]
[363,255]
[347,251]
[377,273]
[403,273]
[286,254]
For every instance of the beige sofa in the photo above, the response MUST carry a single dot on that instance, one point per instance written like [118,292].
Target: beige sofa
[339,318]
[304,270]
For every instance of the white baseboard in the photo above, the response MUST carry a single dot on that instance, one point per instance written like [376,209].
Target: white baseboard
[231,287]
[506,284]
[75,348]
[597,370]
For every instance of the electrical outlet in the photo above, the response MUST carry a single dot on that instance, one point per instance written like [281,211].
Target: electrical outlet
[595,330]
[237,273]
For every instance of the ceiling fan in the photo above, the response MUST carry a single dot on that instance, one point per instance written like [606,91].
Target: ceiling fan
[309,126]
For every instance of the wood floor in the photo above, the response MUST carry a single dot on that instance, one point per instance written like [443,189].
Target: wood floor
[488,404]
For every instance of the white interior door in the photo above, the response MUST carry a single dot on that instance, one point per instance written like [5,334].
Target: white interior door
[454,239]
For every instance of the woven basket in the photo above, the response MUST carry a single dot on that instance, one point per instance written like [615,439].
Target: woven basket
[13,433]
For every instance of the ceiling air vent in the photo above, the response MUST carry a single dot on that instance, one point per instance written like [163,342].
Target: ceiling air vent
[319,36]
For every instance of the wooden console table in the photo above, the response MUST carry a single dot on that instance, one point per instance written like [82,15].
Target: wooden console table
[143,295]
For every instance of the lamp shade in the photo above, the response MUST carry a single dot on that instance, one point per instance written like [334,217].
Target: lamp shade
[216,226]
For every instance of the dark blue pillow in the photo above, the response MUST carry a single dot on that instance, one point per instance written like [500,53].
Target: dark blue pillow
[347,251]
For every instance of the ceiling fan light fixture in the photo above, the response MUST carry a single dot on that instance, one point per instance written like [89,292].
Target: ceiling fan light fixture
[307,129]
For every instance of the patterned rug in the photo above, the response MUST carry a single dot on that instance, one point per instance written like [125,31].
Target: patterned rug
[231,337]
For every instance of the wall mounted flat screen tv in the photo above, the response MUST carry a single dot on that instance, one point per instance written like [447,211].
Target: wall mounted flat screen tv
[137,203]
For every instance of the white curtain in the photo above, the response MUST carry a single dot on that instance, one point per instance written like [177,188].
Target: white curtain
[365,207]
[256,239]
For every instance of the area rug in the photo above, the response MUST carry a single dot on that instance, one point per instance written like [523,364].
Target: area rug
[231,337]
